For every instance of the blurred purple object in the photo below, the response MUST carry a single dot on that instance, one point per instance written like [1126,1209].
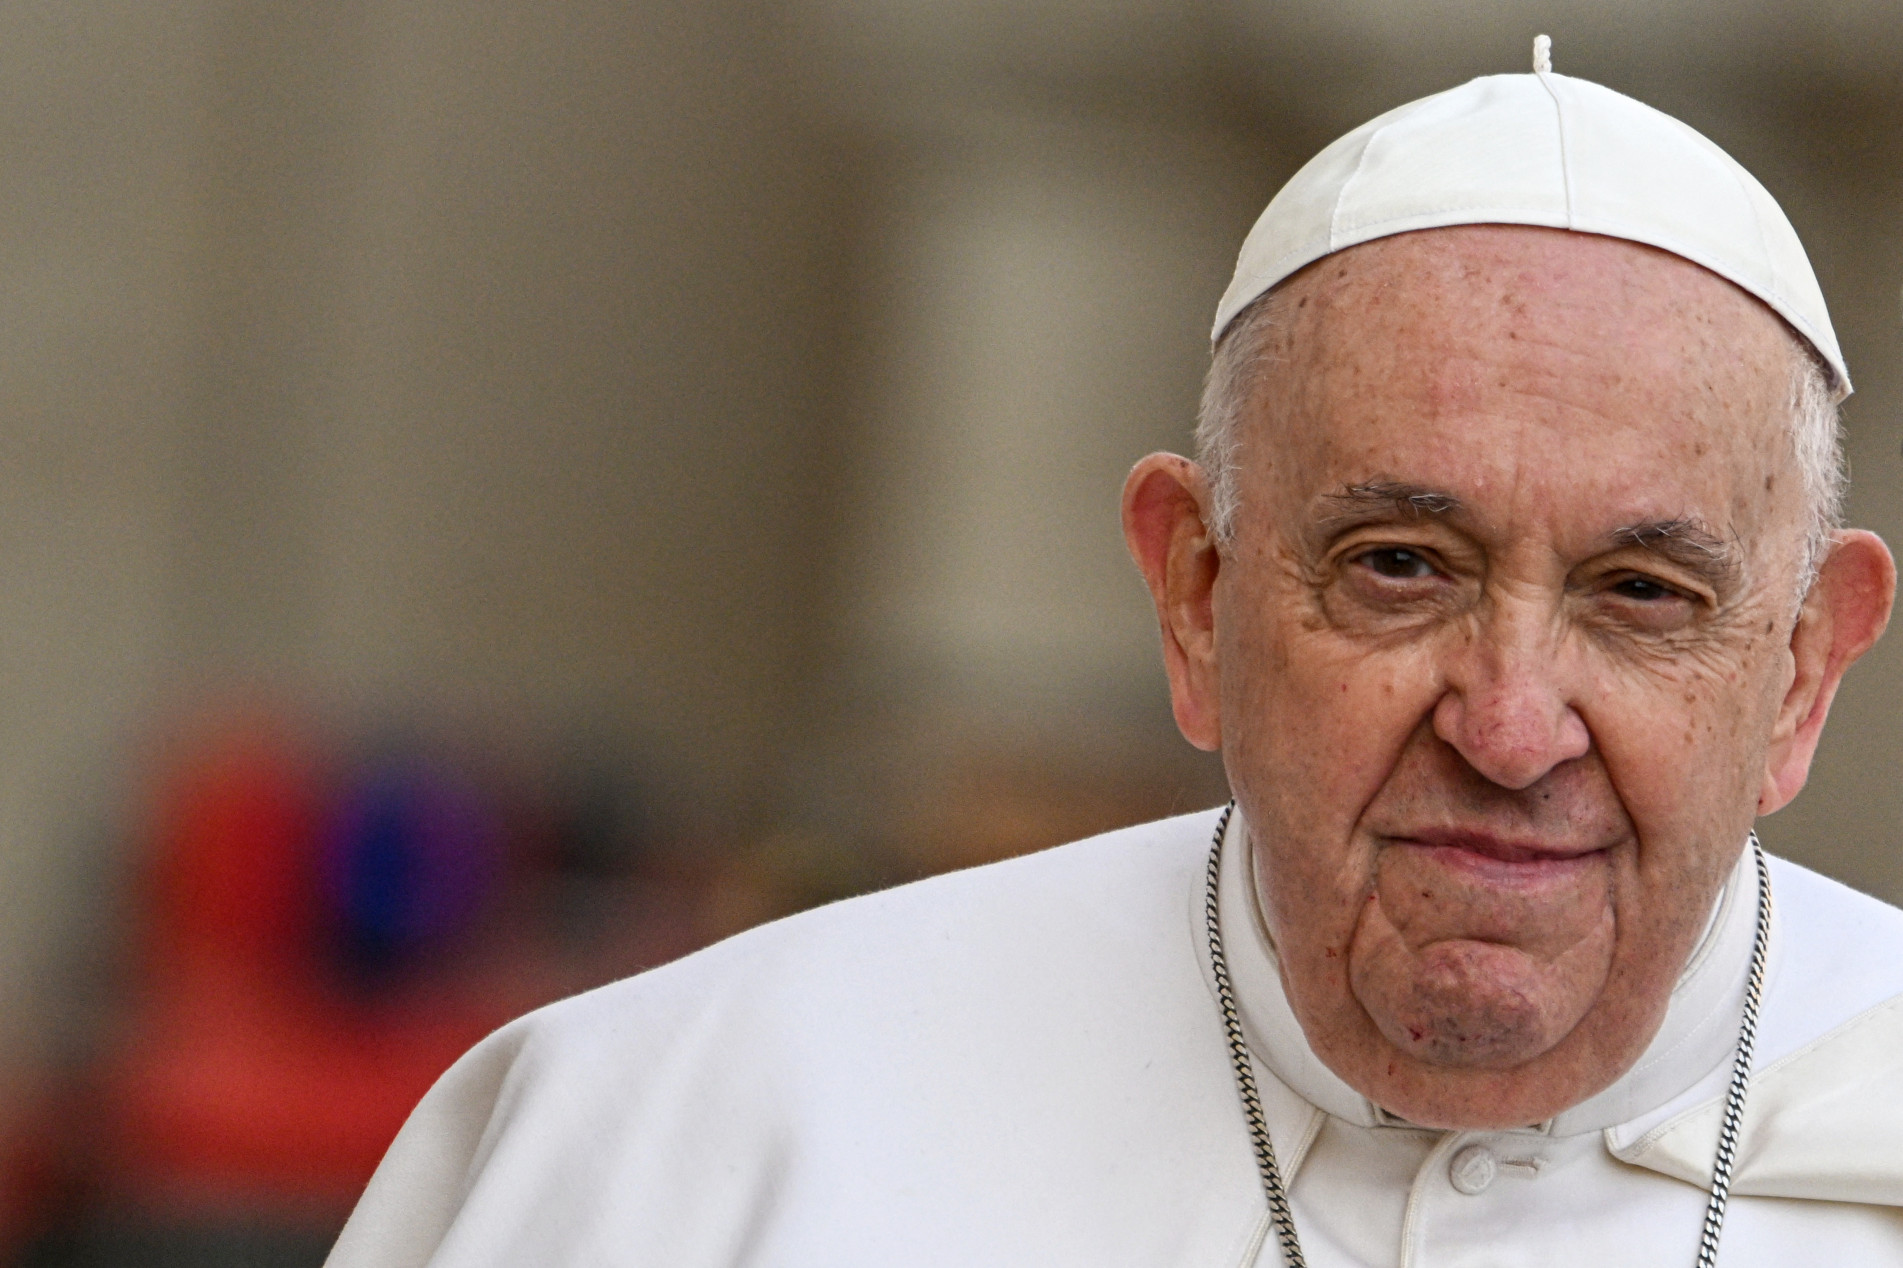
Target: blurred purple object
[410,858]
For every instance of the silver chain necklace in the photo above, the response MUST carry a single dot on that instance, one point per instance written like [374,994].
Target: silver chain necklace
[1277,1193]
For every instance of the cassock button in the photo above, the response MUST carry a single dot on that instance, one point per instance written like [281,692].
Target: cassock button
[1473,1169]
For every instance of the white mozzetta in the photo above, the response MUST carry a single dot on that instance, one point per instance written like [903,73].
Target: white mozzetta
[1539,149]
[1023,1065]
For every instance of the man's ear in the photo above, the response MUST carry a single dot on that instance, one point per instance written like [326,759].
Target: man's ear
[1165,523]
[1845,612]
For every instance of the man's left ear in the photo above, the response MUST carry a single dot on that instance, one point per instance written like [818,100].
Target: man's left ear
[1845,612]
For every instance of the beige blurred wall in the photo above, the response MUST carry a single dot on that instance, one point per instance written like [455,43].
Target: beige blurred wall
[97,207]
[753,379]
[511,341]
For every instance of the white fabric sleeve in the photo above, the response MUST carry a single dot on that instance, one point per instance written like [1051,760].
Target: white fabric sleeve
[423,1180]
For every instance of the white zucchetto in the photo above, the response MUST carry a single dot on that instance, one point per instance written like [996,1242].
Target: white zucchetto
[1539,149]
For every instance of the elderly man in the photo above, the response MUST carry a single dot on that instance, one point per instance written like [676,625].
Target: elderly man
[1510,587]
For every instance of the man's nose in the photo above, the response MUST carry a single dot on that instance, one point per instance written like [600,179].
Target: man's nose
[1508,709]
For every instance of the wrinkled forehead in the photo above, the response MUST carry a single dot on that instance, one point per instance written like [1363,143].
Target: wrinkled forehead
[1508,281]
[1526,357]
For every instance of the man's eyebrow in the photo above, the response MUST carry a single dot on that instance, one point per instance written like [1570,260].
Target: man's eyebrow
[1359,503]
[1687,542]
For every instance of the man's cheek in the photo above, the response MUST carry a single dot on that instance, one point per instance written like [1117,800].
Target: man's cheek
[1313,905]
[1679,753]
[1356,716]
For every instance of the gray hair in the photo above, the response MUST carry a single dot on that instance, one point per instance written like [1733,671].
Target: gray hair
[1242,361]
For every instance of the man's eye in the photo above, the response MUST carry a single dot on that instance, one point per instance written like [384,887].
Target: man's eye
[1394,561]
[1644,589]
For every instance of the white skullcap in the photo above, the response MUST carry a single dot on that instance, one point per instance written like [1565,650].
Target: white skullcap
[1539,149]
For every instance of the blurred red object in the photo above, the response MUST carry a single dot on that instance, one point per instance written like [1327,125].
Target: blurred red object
[247,1075]
[232,853]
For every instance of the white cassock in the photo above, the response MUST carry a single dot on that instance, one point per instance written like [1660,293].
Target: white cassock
[1023,1064]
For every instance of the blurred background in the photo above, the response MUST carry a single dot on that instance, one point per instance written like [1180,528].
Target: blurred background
[494,496]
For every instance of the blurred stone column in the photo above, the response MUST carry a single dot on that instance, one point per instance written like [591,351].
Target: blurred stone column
[1040,279]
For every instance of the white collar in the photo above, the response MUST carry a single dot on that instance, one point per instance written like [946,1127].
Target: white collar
[1695,1043]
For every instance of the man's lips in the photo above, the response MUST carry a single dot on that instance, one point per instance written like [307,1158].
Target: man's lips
[1500,860]
[1500,849]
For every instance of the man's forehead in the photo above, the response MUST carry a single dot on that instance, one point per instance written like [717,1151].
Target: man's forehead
[1585,331]
[1525,275]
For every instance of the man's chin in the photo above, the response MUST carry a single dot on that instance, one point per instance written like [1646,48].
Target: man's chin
[1471,1006]
[1478,1048]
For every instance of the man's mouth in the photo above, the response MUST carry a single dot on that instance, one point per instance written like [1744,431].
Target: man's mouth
[1502,859]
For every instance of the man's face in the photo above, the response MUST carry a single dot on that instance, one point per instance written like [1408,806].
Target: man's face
[1500,645]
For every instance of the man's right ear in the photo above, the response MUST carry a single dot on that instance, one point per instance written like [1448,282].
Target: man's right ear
[1165,522]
